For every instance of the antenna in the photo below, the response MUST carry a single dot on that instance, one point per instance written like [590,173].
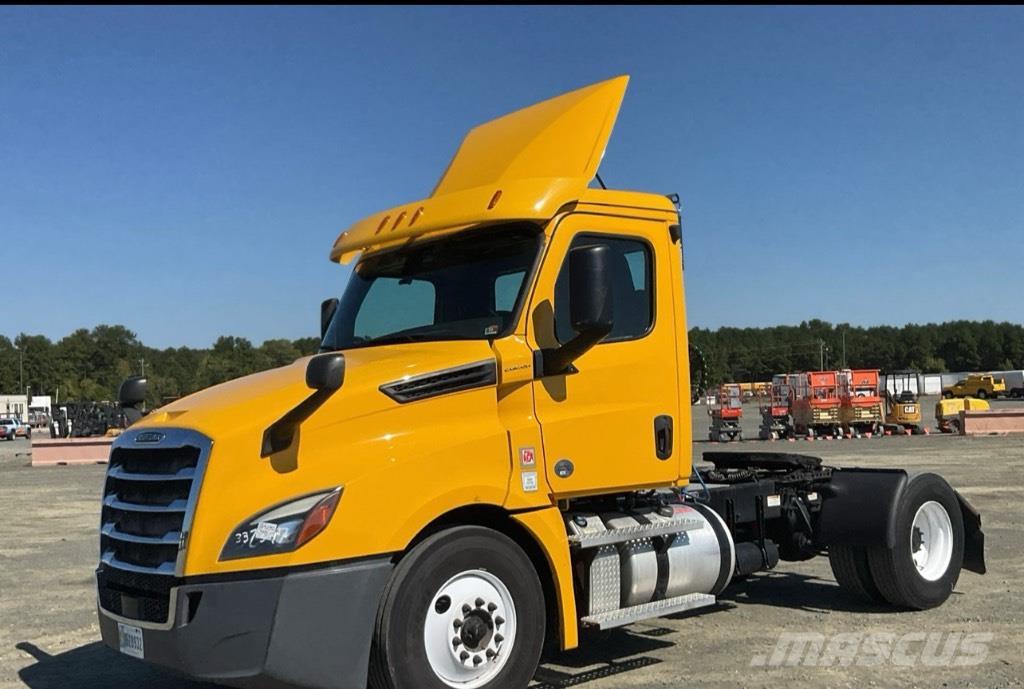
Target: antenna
[599,180]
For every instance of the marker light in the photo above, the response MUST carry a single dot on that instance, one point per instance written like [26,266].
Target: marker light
[283,528]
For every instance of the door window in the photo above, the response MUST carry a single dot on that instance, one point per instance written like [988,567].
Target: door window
[632,286]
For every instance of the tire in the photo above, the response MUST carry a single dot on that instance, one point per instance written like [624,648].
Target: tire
[907,583]
[853,573]
[947,395]
[415,607]
[981,395]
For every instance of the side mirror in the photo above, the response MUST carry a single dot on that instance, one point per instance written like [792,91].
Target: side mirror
[326,371]
[590,293]
[132,392]
[327,310]
[590,306]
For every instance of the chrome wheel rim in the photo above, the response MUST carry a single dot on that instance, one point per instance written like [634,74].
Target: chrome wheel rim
[470,629]
[931,541]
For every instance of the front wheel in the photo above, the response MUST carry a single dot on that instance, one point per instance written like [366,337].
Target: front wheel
[464,609]
[923,566]
[981,394]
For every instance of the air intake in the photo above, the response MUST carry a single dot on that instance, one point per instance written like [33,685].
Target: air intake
[476,375]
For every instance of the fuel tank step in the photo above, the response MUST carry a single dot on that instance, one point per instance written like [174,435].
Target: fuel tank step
[594,539]
[668,606]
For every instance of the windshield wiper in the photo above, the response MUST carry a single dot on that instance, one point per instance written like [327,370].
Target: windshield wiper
[395,339]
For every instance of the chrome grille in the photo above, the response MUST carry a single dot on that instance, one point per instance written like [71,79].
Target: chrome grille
[150,494]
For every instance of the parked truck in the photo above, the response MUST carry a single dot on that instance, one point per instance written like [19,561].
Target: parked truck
[491,453]
[980,385]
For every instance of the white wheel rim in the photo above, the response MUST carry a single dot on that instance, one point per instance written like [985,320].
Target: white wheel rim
[931,540]
[470,629]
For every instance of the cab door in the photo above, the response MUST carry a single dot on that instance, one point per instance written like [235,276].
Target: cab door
[613,423]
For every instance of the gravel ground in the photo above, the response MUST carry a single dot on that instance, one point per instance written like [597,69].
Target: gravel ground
[49,636]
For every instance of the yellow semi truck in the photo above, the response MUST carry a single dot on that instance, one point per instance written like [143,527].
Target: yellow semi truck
[491,453]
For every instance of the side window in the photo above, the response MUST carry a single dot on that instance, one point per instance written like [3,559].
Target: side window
[391,306]
[632,288]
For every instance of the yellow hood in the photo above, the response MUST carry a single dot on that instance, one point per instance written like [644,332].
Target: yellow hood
[249,404]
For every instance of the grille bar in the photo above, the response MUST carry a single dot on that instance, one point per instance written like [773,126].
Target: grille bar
[113,501]
[111,531]
[186,474]
[108,558]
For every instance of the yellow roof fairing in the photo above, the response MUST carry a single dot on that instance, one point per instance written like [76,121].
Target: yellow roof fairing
[523,166]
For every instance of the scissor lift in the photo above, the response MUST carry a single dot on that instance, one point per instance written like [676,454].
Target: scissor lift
[861,410]
[816,404]
[773,404]
[726,412]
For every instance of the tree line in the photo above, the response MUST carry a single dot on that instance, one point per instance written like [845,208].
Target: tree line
[89,365]
[755,354]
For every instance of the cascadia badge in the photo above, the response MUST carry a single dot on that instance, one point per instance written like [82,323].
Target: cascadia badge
[149,437]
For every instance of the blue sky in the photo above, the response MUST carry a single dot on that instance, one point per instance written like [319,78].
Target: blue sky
[184,171]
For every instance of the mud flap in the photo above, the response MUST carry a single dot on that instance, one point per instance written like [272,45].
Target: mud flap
[974,538]
[859,507]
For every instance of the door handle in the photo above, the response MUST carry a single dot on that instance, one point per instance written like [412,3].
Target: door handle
[663,436]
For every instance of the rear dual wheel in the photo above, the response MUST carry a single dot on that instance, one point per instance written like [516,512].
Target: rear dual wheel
[464,610]
[923,566]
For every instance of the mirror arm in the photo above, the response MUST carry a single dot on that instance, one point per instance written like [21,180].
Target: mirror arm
[558,361]
[325,374]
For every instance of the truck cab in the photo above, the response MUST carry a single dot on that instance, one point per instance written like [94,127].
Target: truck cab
[491,452]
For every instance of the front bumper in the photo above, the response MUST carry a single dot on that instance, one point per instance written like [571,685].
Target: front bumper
[303,629]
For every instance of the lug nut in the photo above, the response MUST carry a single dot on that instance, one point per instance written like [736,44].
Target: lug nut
[457,623]
[491,607]
[499,620]
[463,656]
[477,660]
[498,638]
[466,609]
[490,654]
[479,602]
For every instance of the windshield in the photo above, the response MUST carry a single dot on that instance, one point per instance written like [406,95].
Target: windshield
[464,287]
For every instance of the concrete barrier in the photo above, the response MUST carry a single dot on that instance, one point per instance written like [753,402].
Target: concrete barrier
[61,451]
[992,422]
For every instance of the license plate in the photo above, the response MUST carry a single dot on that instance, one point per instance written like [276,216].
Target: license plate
[130,640]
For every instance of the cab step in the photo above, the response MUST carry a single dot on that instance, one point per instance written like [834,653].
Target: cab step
[660,608]
[598,538]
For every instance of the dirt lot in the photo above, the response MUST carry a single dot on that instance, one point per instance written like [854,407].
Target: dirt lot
[48,632]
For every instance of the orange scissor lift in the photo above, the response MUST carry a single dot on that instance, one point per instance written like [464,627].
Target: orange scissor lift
[861,410]
[774,403]
[726,411]
[816,404]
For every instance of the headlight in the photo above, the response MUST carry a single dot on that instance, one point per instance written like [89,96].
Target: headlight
[283,528]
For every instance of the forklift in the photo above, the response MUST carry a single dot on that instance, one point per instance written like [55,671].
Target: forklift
[726,411]
[902,406]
